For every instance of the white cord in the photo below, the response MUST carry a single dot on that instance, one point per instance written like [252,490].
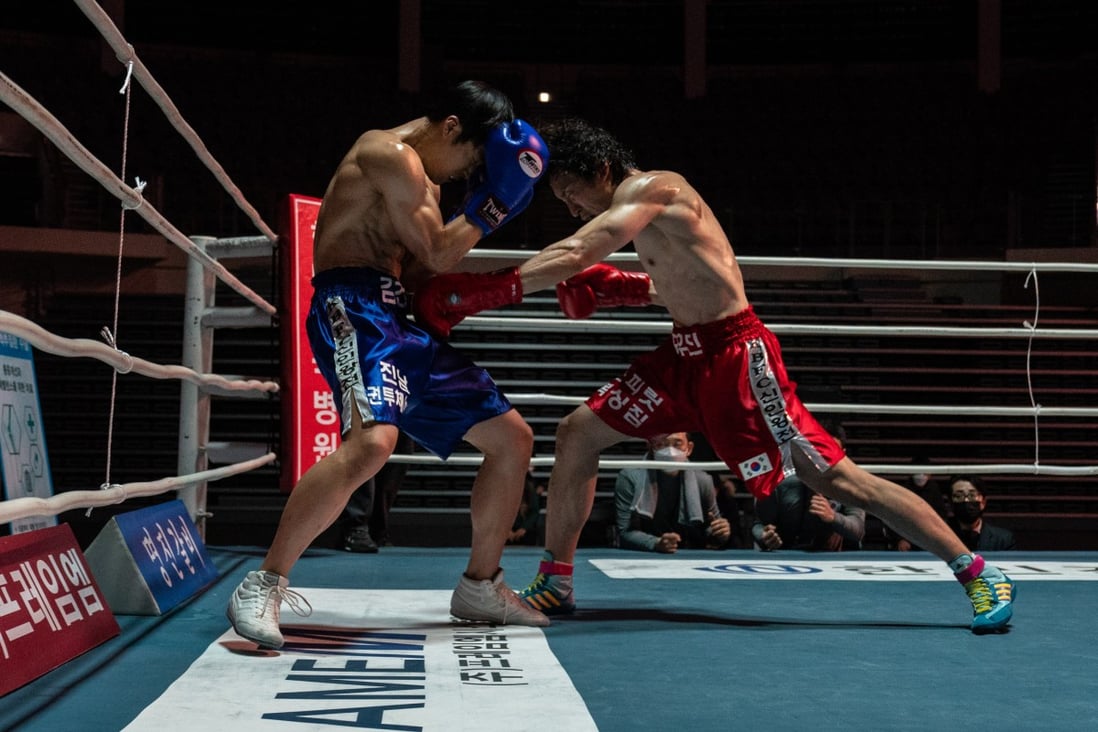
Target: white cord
[1029,379]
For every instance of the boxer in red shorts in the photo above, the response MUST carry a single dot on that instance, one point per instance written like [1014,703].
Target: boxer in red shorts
[720,372]
[751,415]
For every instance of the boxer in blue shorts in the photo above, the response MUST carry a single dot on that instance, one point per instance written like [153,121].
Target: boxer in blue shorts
[379,225]
[383,368]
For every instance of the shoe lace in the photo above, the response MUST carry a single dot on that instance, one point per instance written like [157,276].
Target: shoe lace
[1003,591]
[295,600]
[537,586]
[979,591]
[507,598]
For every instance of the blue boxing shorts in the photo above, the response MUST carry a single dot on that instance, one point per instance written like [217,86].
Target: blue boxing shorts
[390,370]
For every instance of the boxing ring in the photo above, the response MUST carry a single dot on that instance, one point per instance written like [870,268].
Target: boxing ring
[517,334]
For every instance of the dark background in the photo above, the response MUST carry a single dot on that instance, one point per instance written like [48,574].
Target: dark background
[832,127]
[864,128]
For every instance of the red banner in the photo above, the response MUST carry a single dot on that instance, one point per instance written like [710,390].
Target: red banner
[310,422]
[51,609]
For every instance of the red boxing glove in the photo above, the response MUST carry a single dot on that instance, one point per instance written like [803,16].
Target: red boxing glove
[445,300]
[602,286]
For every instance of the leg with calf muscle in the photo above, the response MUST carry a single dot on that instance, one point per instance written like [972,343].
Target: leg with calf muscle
[899,508]
[506,442]
[481,593]
[314,505]
[321,494]
[990,591]
[581,438]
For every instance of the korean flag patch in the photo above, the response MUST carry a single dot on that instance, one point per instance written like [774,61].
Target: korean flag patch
[756,466]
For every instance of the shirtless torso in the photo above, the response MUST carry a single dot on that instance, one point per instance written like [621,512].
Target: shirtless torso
[685,252]
[678,240]
[381,207]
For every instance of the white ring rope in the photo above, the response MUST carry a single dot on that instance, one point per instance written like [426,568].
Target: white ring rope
[1029,331]
[20,508]
[843,408]
[840,263]
[123,362]
[606,325]
[887,468]
[942,264]
[125,53]
[27,107]
[131,199]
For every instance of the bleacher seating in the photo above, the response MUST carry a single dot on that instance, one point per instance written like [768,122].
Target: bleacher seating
[433,503]
[878,369]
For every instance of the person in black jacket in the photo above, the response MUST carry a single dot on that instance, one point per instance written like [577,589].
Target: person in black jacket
[968,499]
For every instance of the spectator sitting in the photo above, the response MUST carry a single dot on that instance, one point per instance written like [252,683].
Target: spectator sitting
[969,499]
[661,510]
[796,517]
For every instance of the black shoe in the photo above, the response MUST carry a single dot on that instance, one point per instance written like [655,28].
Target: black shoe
[358,540]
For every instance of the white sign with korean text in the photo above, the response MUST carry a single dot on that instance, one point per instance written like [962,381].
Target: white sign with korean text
[374,659]
[25,462]
[50,607]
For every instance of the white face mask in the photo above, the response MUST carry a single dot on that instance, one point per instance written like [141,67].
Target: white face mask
[669,453]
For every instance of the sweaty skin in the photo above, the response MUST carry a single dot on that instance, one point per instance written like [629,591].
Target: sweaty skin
[381,207]
[694,274]
[677,238]
[381,211]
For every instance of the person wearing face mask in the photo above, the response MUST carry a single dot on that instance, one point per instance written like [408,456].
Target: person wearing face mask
[719,371]
[968,500]
[664,510]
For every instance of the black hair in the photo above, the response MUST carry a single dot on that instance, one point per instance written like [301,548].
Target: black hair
[977,483]
[581,149]
[477,105]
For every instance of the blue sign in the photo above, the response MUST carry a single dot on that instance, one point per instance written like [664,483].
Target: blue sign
[168,551]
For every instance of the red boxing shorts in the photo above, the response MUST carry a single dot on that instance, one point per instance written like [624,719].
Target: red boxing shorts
[727,380]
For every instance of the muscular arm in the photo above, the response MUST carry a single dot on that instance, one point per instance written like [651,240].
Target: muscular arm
[413,273]
[411,203]
[637,202]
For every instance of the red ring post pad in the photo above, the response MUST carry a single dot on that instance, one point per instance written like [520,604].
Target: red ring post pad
[51,609]
[310,421]
[150,560]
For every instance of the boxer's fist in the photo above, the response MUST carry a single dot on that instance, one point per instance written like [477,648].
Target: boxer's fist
[445,300]
[602,286]
[515,157]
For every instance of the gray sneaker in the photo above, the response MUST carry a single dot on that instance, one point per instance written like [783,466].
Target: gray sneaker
[494,601]
[254,607]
